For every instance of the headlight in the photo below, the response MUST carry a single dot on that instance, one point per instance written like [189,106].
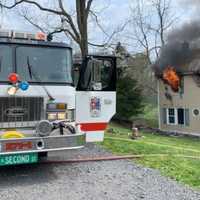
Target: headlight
[56,116]
[56,111]
[52,116]
[61,116]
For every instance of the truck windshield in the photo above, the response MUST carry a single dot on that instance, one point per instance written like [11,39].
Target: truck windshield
[47,64]
[6,64]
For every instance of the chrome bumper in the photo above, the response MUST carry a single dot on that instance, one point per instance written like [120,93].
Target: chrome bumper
[41,144]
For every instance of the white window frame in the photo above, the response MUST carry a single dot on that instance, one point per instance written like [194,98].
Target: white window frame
[175,116]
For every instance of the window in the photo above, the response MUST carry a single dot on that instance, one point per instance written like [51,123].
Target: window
[39,64]
[98,73]
[102,72]
[181,116]
[6,63]
[171,116]
[106,71]
[177,116]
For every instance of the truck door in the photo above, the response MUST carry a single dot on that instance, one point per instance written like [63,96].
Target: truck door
[96,96]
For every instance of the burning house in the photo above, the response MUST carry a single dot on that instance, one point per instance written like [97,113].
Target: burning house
[178,73]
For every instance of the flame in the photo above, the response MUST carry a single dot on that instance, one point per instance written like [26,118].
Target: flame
[171,77]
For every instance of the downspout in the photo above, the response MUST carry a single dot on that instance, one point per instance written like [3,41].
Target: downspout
[158,101]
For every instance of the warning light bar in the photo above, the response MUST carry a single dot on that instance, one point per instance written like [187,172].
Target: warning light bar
[23,35]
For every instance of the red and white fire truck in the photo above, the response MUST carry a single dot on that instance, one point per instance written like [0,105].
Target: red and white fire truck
[40,108]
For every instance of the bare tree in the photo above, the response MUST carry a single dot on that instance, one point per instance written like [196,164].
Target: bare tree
[151,24]
[72,24]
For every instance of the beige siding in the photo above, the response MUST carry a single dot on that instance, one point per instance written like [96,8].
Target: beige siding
[190,99]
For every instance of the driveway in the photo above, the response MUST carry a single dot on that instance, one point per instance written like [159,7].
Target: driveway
[109,180]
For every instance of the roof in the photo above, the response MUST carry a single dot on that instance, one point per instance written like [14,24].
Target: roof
[33,42]
[77,59]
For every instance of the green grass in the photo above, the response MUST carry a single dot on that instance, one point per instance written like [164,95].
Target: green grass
[184,170]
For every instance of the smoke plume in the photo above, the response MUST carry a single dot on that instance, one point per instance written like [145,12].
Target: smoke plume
[190,2]
[189,32]
[181,43]
[180,47]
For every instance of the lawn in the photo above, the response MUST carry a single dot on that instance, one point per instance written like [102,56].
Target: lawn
[170,155]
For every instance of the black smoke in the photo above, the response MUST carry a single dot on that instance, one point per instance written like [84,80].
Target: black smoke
[173,54]
[189,32]
[180,47]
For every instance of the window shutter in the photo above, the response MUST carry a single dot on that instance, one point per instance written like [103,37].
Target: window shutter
[187,117]
[182,85]
[164,115]
[180,116]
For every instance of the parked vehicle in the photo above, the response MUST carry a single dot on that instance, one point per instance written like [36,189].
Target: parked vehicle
[40,108]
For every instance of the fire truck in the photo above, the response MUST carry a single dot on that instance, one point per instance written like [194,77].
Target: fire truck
[41,110]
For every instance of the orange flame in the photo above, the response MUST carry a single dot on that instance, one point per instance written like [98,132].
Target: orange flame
[171,78]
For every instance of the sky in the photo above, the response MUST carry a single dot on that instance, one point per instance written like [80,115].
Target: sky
[113,14]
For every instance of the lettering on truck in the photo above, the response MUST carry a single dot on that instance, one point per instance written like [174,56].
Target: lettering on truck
[16,146]
[16,159]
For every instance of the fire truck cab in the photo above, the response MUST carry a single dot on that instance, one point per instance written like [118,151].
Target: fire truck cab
[40,108]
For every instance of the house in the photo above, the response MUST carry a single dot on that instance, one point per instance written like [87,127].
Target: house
[179,111]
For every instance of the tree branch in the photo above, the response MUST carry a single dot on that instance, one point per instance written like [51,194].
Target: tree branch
[89,3]
[76,35]
[61,6]
[33,3]
[33,23]
[12,6]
